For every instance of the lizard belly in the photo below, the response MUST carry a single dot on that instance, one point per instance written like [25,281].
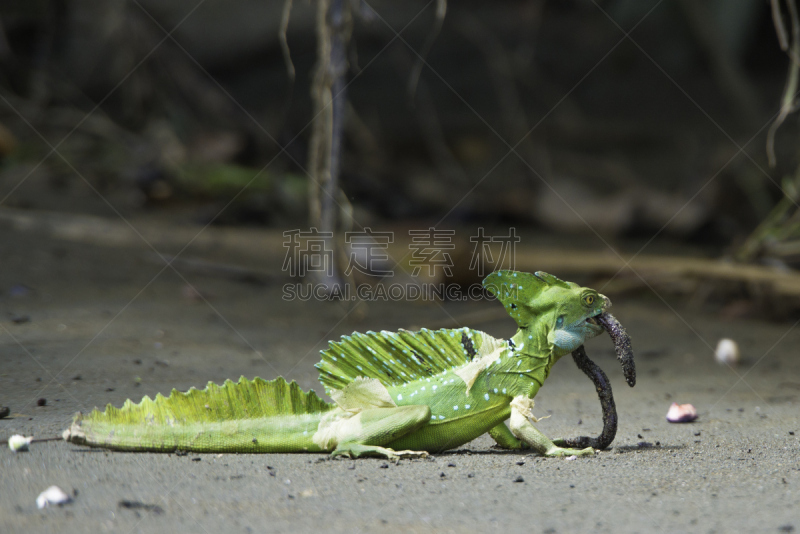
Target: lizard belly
[458,415]
[439,436]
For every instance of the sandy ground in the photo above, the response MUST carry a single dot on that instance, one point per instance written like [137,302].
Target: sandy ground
[99,325]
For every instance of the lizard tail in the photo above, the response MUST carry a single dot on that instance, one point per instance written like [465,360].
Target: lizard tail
[247,416]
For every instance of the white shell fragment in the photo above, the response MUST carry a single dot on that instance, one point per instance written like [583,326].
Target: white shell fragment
[681,413]
[727,352]
[19,443]
[52,495]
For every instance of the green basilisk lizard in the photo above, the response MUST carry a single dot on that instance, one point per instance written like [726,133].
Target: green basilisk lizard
[395,393]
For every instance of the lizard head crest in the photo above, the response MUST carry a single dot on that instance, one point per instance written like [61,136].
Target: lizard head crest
[562,311]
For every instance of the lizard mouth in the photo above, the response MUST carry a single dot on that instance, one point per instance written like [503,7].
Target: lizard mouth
[593,320]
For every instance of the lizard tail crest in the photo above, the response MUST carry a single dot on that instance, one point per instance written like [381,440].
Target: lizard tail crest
[197,419]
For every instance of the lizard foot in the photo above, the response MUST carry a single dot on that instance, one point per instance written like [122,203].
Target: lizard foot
[411,454]
[357,450]
[559,451]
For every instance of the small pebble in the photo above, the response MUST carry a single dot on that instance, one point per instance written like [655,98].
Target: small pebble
[4,411]
[19,443]
[570,458]
[52,495]
[681,413]
[136,505]
[451,464]
[727,352]
[41,402]
[519,479]
[384,466]
[520,463]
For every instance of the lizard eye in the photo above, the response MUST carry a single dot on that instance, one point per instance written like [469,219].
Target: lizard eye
[560,322]
[589,300]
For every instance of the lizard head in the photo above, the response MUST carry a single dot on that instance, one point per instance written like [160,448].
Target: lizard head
[563,313]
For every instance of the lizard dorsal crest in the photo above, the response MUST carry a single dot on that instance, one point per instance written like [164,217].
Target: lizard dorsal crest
[397,357]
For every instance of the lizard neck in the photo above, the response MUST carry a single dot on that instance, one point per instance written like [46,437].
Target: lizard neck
[523,366]
[532,348]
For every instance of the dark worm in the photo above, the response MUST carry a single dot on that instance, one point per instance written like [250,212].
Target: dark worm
[603,387]
[622,345]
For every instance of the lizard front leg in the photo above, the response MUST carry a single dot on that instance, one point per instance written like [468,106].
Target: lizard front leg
[522,427]
[365,433]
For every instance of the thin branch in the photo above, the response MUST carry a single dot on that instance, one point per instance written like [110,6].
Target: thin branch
[287,55]
[788,102]
[780,27]
[328,92]
[441,11]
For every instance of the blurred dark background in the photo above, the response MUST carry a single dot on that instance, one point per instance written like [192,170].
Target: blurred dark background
[612,120]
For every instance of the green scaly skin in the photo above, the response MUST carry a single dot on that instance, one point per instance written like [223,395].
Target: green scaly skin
[396,394]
